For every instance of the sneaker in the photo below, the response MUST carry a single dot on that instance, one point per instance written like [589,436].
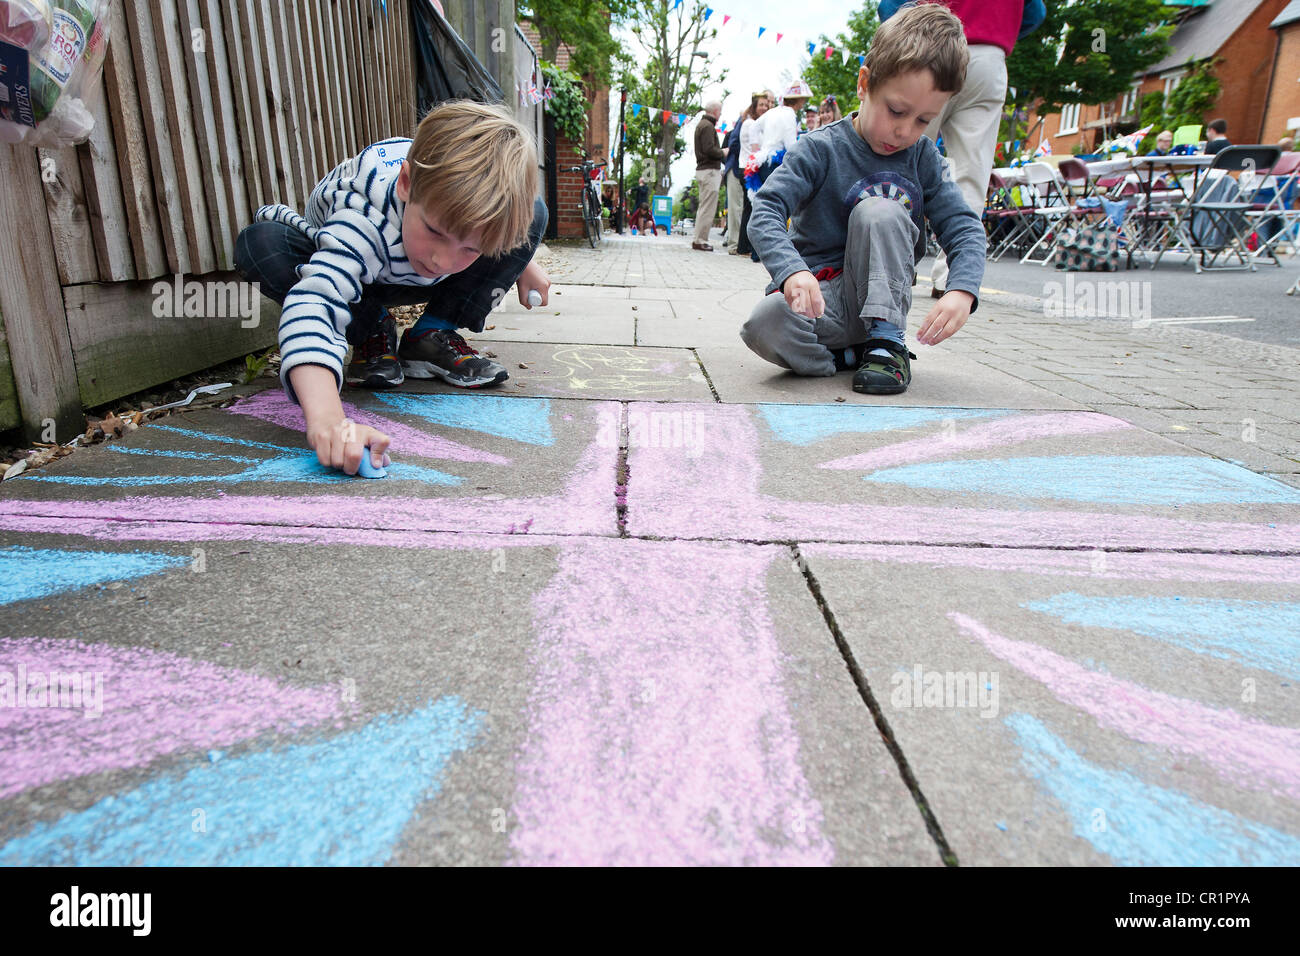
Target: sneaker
[442,354]
[374,362]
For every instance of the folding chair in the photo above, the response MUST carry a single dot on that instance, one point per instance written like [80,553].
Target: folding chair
[1050,209]
[1272,210]
[1008,223]
[1212,222]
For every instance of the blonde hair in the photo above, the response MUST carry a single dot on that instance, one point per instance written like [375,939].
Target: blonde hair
[476,169]
[920,36]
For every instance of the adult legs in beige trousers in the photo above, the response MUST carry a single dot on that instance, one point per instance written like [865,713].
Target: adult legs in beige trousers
[735,209]
[969,124]
[710,180]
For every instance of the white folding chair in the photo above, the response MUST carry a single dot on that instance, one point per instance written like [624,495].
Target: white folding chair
[1051,208]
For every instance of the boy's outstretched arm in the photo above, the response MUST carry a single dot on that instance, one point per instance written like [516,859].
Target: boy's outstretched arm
[338,442]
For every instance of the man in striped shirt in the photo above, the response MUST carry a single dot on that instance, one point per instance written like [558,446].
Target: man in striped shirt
[455,208]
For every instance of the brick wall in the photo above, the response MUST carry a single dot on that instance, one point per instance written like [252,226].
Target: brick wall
[1284,99]
[568,217]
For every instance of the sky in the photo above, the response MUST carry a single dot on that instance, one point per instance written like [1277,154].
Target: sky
[752,63]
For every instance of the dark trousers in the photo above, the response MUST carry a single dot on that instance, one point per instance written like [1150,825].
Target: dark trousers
[271,252]
[742,244]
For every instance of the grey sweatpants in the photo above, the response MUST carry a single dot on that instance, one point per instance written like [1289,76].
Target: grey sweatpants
[879,271]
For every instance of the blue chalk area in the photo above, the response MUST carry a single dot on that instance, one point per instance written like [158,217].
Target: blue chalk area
[528,422]
[1144,825]
[805,424]
[1263,634]
[340,802]
[1107,479]
[292,464]
[30,573]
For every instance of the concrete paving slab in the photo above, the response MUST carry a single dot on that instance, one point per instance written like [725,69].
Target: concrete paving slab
[1067,708]
[610,327]
[589,372]
[237,724]
[940,476]
[939,377]
[472,462]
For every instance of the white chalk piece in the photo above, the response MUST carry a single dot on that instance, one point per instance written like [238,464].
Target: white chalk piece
[367,468]
[534,297]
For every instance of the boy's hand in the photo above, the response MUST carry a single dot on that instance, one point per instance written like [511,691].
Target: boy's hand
[341,444]
[533,278]
[947,317]
[803,294]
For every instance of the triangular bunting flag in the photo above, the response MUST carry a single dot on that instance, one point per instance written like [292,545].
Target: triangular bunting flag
[726,17]
[844,57]
[681,119]
[677,4]
[666,115]
[760,32]
[778,37]
[862,59]
[829,50]
[708,12]
[811,49]
[636,109]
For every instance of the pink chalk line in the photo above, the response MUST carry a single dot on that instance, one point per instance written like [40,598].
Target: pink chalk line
[1248,753]
[584,506]
[995,434]
[659,730]
[275,407]
[1112,565]
[153,703]
[712,491]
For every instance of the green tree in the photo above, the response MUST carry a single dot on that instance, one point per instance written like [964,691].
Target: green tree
[676,71]
[584,25]
[827,77]
[1087,51]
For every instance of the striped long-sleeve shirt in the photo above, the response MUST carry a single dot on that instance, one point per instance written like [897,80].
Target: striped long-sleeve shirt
[355,219]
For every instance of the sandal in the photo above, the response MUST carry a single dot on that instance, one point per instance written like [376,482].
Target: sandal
[884,375]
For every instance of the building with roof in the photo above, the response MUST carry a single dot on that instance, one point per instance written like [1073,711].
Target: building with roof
[1240,34]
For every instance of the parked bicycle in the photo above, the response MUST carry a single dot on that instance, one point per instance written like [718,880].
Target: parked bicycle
[589,207]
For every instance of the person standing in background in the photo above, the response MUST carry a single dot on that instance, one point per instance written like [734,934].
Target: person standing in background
[750,140]
[708,172]
[969,122]
[735,192]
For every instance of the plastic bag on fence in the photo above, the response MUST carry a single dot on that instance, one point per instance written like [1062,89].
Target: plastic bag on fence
[446,68]
[25,24]
[44,92]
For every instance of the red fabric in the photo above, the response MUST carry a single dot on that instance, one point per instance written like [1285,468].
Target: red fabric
[993,22]
[827,274]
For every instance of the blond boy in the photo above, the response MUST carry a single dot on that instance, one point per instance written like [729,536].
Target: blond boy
[449,219]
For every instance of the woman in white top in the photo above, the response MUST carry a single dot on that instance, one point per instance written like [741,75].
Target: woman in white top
[778,130]
[751,137]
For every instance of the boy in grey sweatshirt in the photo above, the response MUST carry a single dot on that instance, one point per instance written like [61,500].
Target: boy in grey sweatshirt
[858,193]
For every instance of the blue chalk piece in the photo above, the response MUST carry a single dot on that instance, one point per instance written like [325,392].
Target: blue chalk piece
[215,755]
[368,469]
[1001,826]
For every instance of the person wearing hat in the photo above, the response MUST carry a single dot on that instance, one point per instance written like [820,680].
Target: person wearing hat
[780,126]
[812,117]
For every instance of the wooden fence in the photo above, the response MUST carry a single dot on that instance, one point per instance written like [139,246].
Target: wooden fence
[208,109]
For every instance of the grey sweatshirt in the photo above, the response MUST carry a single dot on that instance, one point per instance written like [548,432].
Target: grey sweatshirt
[827,173]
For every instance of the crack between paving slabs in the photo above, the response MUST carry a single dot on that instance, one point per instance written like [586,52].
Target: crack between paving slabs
[946,853]
[622,474]
[708,379]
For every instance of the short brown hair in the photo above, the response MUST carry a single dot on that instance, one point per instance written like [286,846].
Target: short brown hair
[475,167]
[920,36]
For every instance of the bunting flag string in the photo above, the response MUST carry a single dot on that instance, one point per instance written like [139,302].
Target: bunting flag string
[828,50]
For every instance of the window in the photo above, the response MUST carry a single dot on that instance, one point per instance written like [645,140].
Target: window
[1130,102]
[1069,119]
[1172,81]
